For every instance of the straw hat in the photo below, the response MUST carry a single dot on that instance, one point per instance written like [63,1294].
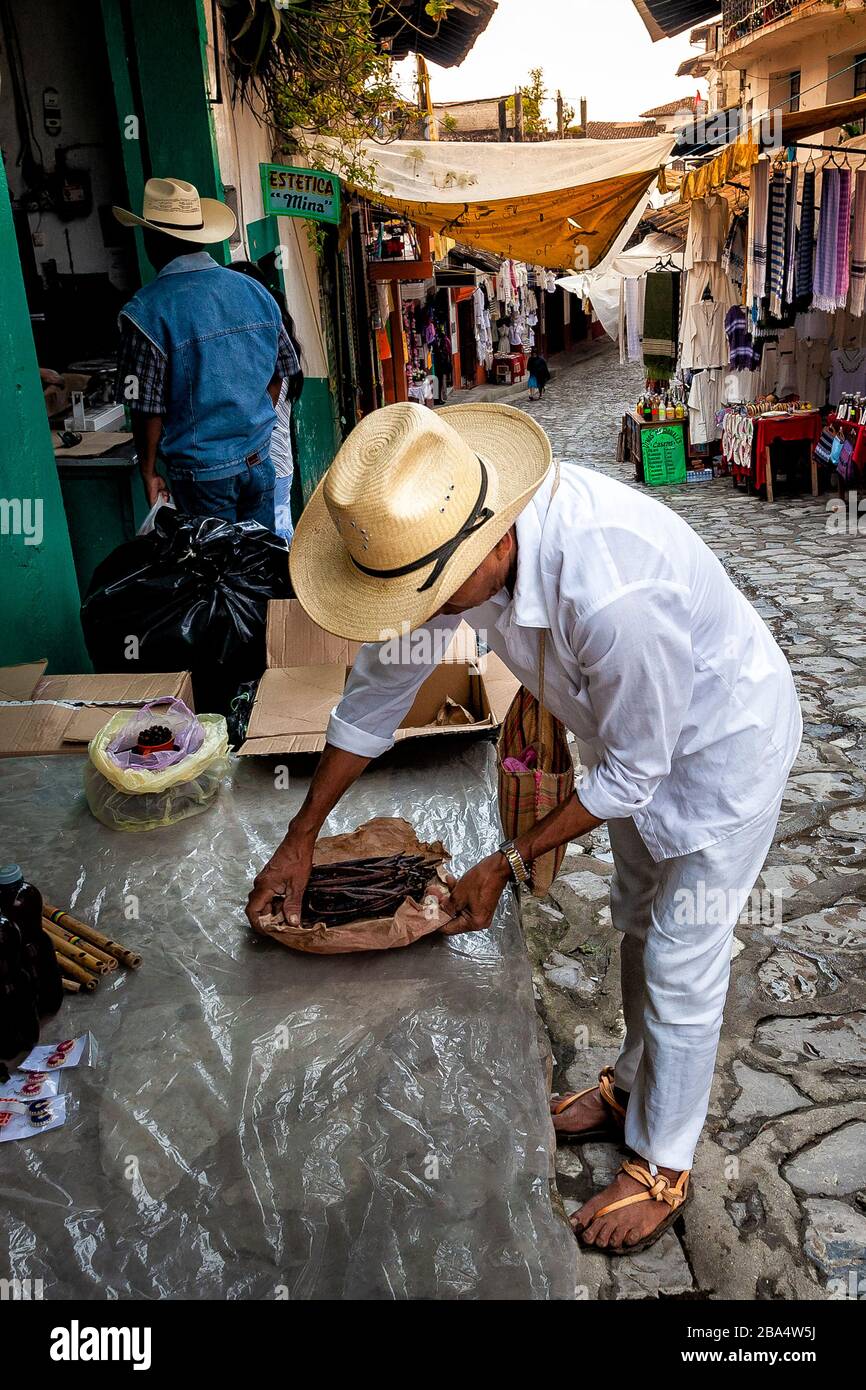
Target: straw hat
[413,502]
[174,207]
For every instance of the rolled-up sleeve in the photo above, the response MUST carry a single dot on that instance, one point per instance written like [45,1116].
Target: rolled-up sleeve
[382,686]
[635,656]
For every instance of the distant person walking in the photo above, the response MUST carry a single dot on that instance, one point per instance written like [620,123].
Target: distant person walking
[539,376]
[203,354]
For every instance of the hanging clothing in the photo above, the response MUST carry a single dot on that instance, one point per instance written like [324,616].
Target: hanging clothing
[704,343]
[858,247]
[806,242]
[742,355]
[791,235]
[776,230]
[848,372]
[759,205]
[813,371]
[734,253]
[824,296]
[633,307]
[843,239]
[660,323]
[705,400]
[708,226]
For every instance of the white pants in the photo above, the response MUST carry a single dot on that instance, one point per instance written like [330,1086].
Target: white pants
[677,920]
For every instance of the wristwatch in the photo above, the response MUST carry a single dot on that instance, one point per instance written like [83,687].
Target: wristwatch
[519,871]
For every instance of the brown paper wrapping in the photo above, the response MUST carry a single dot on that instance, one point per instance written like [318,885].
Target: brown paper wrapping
[411,921]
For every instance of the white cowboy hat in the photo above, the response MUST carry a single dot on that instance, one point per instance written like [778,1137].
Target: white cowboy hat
[174,207]
[412,503]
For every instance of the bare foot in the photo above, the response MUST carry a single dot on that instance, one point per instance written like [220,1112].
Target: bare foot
[589,1113]
[629,1224]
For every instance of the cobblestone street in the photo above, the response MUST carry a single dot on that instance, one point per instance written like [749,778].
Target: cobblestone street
[779,1205]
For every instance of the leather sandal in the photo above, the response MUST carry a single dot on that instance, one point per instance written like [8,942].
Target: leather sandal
[659,1190]
[611,1131]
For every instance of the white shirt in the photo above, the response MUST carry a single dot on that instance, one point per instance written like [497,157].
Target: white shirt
[683,706]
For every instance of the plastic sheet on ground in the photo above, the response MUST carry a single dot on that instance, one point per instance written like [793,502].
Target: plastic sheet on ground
[264,1124]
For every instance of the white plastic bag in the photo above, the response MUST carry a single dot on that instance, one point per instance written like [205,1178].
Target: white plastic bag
[147,525]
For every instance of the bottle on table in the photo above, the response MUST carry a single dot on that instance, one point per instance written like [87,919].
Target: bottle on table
[21,903]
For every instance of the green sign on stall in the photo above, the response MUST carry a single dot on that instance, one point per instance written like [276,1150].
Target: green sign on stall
[310,193]
[664,455]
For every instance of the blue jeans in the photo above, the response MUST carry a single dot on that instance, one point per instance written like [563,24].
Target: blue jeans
[246,496]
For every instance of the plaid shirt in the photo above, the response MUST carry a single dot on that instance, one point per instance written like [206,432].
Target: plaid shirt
[141,368]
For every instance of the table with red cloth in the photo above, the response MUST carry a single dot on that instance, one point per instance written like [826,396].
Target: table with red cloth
[802,425]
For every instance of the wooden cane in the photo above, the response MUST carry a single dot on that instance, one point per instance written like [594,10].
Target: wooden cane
[77,972]
[58,917]
[110,962]
[70,986]
[63,948]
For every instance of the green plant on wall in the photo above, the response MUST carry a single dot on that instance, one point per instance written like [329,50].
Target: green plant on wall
[316,69]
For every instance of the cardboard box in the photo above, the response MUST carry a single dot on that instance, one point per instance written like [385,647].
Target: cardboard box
[61,714]
[306,676]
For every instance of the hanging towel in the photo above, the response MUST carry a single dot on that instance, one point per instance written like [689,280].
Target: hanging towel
[806,242]
[632,311]
[660,324]
[791,236]
[824,296]
[776,229]
[858,247]
[843,238]
[759,202]
[743,357]
[734,253]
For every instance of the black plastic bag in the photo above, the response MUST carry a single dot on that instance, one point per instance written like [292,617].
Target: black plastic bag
[191,595]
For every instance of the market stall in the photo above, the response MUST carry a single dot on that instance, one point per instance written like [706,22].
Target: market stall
[258,1123]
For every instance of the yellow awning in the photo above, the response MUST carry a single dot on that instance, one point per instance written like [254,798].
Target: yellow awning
[557,203]
[742,153]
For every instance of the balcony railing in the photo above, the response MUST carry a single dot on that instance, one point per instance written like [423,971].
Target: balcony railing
[740,18]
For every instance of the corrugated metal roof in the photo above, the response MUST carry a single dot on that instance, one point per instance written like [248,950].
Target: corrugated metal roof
[409,29]
[664,18]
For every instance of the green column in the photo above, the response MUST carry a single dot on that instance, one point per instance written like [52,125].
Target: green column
[37,581]
[161,53]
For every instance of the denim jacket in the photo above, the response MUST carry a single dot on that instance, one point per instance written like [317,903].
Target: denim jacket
[219,332]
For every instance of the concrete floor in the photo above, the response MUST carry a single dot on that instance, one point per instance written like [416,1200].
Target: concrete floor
[779,1207]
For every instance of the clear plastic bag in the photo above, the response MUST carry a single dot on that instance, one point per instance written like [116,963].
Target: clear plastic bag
[136,798]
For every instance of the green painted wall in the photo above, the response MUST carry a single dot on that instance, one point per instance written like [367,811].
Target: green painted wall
[316,437]
[160,52]
[37,582]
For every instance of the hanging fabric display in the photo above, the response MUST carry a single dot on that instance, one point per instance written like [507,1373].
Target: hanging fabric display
[661,324]
[843,235]
[806,242]
[758,203]
[824,296]
[858,247]
[776,242]
[791,236]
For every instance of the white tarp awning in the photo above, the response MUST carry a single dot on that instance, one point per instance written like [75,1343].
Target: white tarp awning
[553,203]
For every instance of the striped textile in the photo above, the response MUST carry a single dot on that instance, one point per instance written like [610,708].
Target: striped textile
[791,235]
[777,227]
[843,238]
[857,302]
[824,296]
[758,206]
[806,242]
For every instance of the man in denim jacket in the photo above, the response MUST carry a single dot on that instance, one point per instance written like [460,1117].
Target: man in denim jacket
[202,355]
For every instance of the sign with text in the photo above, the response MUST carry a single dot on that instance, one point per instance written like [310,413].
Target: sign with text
[307,193]
[664,455]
